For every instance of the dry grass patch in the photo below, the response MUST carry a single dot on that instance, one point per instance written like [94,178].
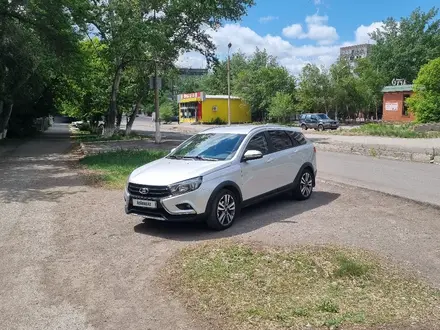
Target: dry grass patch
[246,287]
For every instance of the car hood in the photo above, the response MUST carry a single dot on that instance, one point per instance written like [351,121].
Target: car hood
[166,171]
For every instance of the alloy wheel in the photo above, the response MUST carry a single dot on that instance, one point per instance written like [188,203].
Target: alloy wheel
[306,184]
[226,209]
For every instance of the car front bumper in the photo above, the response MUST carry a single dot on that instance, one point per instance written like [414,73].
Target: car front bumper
[167,208]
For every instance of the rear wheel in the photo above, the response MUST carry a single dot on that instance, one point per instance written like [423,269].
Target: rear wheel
[304,187]
[225,209]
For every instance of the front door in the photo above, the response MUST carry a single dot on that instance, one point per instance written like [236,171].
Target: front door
[257,175]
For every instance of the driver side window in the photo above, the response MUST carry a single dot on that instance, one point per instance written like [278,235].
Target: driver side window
[259,143]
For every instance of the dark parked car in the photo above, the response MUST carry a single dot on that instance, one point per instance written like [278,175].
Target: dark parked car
[318,121]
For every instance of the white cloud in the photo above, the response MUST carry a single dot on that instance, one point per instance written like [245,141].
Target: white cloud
[293,31]
[316,20]
[246,40]
[362,33]
[317,29]
[293,57]
[267,19]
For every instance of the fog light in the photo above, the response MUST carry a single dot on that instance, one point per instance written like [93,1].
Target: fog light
[184,207]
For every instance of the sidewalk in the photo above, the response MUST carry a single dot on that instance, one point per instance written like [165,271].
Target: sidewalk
[413,144]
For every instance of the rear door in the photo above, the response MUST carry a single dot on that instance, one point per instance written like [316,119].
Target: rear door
[286,161]
[257,175]
[302,150]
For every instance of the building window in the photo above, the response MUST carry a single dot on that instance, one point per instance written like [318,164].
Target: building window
[188,110]
[405,111]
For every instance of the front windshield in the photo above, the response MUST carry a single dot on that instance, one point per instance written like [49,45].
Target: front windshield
[323,116]
[209,146]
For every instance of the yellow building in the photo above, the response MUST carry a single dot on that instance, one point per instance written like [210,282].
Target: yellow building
[199,107]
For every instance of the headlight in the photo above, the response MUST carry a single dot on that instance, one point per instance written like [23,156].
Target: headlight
[186,186]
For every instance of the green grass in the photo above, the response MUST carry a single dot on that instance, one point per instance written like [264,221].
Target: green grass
[245,287]
[405,131]
[113,168]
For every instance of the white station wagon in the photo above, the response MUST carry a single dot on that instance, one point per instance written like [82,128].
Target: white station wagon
[214,174]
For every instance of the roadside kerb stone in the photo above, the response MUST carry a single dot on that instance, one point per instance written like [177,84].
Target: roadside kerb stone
[380,151]
[91,148]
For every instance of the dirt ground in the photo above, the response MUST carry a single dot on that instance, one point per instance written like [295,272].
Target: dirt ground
[71,259]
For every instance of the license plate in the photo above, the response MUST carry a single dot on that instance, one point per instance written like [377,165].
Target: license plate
[144,203]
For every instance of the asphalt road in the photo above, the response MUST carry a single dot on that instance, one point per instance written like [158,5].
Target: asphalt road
[417,181]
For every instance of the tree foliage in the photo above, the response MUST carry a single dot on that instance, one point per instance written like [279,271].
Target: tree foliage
[37,41]
[402,47]
[425,102]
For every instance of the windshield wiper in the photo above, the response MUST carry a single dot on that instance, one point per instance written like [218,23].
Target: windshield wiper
[175,157]
[201,158]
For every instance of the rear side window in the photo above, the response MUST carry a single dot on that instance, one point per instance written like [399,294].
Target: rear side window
[298,138]
[280,140]
[259,142]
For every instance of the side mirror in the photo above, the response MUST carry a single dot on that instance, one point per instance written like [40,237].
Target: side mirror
[252,155]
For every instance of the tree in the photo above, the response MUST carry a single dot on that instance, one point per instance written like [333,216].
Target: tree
[260,80]
[157,31]
[282,107]
[314,90]
[370,84]
[343,88]
[403,47]
[83,93]
[425,102]
[37,38]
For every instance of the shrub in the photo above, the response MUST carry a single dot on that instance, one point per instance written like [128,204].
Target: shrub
[425,102]
[166,112]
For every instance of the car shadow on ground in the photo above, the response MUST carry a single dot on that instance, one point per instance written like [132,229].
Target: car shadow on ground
[281,209]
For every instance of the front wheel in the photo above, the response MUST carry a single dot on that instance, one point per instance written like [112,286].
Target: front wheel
[304,188]
[320,128]
[304,127]
[225,209]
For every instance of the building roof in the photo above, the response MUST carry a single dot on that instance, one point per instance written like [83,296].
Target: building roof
[244,129]
[398,88]
[222,97]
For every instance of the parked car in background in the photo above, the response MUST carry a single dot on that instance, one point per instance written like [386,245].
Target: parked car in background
[216,173]
[317,121]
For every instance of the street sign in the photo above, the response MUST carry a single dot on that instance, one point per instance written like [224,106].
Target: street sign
[159,82]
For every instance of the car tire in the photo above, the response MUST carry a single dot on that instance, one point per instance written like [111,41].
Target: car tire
[219,217]
[304,127]
[304,188]
[320,128]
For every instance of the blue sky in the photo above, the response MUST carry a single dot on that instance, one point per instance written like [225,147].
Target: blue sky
[306,31]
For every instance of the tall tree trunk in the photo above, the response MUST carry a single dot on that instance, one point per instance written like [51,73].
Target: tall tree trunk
[109,129]
[5,116]
[118,121]
[376,112]
[132,117]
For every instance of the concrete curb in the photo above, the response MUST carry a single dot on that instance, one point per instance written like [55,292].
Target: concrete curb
[431,156]
[93,148]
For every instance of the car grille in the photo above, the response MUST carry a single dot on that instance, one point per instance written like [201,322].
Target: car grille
[153,191]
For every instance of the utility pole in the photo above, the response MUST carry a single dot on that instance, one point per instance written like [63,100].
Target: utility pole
[157,135]
[229,85]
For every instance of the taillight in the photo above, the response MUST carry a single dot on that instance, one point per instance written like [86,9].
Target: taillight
[314,149]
